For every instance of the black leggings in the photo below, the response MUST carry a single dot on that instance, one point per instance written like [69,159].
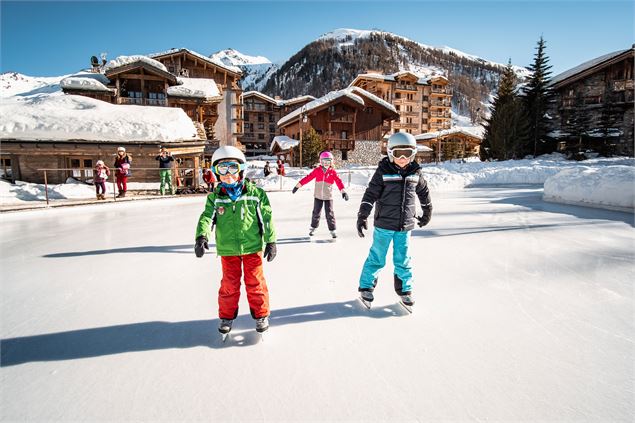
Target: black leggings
[101,185]
[328,211]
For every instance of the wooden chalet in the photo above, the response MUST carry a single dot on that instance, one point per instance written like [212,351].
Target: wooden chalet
[423,102]
[340,118]
[190,64]
[261,113]
[455,143]
[596,100]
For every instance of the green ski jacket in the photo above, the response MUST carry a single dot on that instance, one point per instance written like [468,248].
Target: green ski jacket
[242,226]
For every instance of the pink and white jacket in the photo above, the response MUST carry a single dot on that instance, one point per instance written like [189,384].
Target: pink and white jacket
[324,180]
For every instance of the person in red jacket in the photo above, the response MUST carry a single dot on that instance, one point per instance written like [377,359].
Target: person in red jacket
[325,176]
[210,180]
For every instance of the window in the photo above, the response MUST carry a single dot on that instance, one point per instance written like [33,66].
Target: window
[261,136]
[5,168]
[424,109]
[344,154]
[261,117]
[397,107]
[344,135]
[81,168]
[272,128]
[425,98]
[261,126]
[424,121]
[271,118]
[331,109]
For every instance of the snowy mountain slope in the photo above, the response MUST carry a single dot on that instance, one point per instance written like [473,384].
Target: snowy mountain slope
[256,69]
[13,84]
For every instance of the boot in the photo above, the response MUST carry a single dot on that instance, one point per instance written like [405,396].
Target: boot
[123,194]
[333,234]
[367,295]
[99,196]
[407,299]
[262,324]
[312,231]
[225,326]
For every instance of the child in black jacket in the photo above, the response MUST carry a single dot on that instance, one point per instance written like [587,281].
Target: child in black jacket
[394,187]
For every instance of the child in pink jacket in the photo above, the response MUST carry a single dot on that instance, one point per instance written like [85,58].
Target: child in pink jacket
[324,175]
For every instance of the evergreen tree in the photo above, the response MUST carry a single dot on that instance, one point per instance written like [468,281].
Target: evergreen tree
[505,130]
[537,96]
[609,123]
[311,147]
[578,125]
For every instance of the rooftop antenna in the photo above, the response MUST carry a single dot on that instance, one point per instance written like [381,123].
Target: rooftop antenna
[103,58]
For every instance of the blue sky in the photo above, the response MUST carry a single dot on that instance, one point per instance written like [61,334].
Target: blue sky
[54,38]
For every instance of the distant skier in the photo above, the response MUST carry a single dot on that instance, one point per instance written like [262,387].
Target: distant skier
[325,176]
[242,215]
[396,184]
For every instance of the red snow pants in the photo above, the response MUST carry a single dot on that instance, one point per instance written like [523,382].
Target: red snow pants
[255,285]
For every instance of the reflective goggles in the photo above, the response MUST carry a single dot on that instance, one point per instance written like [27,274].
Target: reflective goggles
[326,161]
[405,152]
[228,167]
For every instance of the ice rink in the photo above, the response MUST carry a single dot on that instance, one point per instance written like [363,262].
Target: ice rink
[524,312]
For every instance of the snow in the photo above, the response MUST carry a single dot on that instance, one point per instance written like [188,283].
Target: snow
[71,117]
[194,87]
[88,81]
[14,84]
[126,60]
[472,131]
[233,57]
[594,186]
[107,315]
[284,142]
[601,182]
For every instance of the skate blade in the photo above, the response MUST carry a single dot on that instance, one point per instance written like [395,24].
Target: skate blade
[364,302]
[224,336]
[407,307]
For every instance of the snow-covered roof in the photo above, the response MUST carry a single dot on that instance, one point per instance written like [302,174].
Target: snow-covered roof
[422,79]
[472,132]
[353,93]
[127,60]
[86,81]
[586,65]
[211,60]
[75,117]
[423,148]
[195,88]
[297,100]
[262,96]
[283,142]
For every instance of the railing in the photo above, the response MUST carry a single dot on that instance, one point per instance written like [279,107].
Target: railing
[440,104]
[342,119]
[441,91]
[143,101]
[405,87]
[182,174]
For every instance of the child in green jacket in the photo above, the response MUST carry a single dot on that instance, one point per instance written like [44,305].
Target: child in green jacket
[242,215]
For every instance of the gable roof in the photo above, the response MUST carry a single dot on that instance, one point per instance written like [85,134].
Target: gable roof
[355,94]
[126,63]
[195,88]
[421,79]
[233,69]
[589,66]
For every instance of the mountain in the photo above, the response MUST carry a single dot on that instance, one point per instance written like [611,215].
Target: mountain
[256,69]
[333,60]
[13,83]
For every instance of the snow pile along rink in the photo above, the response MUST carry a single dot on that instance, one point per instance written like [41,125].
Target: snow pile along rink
[611,187]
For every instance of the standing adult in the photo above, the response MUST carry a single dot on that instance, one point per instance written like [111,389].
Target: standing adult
[122,164]
[280,165]
[165,170]
[267,169]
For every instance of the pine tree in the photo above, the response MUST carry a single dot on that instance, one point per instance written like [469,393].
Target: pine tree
[537,96]
[505,130]
[577,126]
[609,123]
[311,147]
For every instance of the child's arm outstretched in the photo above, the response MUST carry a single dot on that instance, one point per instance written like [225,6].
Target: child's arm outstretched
[372,193]
[305,180]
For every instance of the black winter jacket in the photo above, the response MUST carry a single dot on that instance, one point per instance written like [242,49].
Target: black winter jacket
[395,191]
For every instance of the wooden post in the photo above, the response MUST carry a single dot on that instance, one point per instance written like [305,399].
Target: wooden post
[46,189]
[114,186]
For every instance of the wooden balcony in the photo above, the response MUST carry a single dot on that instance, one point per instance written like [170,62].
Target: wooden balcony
[440,104]
[341,119]
[339,144]
[143,101]
[442,91]
[405,87]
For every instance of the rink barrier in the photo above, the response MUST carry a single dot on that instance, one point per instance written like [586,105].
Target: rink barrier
[114,179]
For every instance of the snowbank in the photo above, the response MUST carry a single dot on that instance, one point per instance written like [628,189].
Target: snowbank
[86,81]
[126,60]
[66,117]
[611,187]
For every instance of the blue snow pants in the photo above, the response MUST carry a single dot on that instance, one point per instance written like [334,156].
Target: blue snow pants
[377,258]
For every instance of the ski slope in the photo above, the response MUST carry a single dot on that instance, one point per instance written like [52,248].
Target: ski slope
[524,312]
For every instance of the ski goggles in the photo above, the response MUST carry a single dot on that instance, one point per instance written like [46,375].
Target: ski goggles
[403,152]
[326,161]
[229,167]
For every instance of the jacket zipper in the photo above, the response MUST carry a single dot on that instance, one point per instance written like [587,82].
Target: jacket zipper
[403,203]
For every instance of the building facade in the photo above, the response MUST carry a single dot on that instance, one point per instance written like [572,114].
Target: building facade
[423,103]
[593,105]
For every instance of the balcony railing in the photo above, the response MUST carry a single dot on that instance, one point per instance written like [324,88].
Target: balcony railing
[441,91]
[440,104]
[143,101]
[405,87]
[342,119]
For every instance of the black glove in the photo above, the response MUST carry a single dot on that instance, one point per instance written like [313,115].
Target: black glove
[345,196]
[361,224]
[294,190]
[425,218]
[201,246]
[270,251]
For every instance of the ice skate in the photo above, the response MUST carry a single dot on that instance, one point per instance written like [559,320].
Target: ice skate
[312,231]
[333,234]
[225,327]
[407,302]
[262,324]
[366,298]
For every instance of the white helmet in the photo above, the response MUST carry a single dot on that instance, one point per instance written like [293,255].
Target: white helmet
[228,152]
[401,139]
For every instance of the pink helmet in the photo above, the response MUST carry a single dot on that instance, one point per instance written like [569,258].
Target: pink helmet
[326,155]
